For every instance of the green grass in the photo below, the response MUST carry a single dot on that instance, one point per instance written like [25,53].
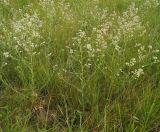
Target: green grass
[85,65]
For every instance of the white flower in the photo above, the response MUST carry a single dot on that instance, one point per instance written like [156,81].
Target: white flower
[150,47]
[6,54]
[94,29]
[49,54]
[155,59]
[155,51]
[6,2]
[89,47]
[88,65]
[138,72]
[132,62]
[71,51]
[26,30]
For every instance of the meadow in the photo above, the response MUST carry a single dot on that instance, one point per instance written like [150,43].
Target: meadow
[79,66]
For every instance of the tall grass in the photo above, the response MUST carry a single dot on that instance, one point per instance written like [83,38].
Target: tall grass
[86,65]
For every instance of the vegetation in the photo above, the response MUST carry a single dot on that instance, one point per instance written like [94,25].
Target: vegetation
[80,65]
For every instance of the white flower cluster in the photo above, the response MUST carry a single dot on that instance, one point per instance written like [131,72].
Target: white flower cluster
[131,63]
[144,54]
[141,53]
[115,32]
[130,23]
[117,28]
[90,48]
[58,8]
[114,29]
[138,72]
[151,4]
[147,52]
[26,32]
[6,2]
[6,54]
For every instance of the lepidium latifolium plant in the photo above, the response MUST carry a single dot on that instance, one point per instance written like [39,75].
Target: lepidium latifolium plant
[87,65]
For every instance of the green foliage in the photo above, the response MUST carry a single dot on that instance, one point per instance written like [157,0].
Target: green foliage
[79,65]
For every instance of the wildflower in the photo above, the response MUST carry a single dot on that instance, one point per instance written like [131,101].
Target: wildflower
[26,30]
[94,29]
[151,4]
[6,54]
[4,64]
[55,67]
[6,2]
[89,47]
[138,72]
[71,51]
[49,54]
[155,51]
[138,45]
[141,52]
[132,62]
[155,59]
[150,47]
[88,65]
